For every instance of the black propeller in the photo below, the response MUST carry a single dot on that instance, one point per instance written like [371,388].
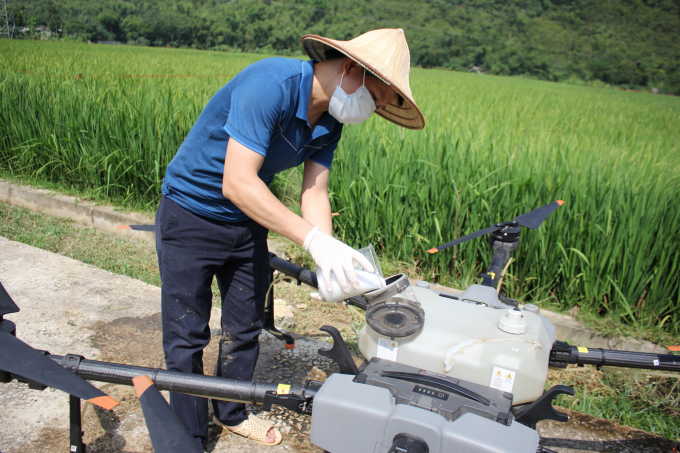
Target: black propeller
[137,227]
[532,219]
[168,433]
[7,305]
[18,358]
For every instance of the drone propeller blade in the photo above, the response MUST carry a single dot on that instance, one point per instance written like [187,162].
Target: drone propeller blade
[460,240]
[532,219]
[18,358]
[7,305]
[168,433]
[137,227]
[535,218]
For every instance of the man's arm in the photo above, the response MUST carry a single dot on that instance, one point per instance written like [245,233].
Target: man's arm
[314,203]
[243,187]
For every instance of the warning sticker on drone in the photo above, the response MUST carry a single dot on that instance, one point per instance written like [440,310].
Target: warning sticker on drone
[387,349]
[502,379]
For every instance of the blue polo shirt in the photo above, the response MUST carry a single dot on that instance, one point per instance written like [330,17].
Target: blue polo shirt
[263,108]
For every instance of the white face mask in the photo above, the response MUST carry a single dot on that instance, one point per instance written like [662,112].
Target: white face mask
[351,108]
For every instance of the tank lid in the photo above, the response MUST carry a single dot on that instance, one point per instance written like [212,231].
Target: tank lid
[513,322]
[395,317]
[531,308]
[423,284]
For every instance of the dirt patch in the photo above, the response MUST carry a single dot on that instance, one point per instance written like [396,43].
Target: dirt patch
[138,341]
[49,440]
[132,341]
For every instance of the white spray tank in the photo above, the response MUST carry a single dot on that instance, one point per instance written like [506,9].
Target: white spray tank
[472,336]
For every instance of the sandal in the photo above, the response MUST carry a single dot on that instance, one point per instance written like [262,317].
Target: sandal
[254,429]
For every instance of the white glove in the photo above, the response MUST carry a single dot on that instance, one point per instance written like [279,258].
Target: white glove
[319,297]
[333,255]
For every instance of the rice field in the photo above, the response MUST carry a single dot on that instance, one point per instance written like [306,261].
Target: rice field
[493,148]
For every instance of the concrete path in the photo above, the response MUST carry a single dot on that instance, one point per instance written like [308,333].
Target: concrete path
[70,307]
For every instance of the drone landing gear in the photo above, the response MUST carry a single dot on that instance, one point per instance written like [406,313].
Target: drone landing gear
[339,352]
[268,324]
[75,425]
[72,362]
[542,408]
[75,416]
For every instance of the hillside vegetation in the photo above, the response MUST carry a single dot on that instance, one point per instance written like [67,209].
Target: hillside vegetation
[632,43]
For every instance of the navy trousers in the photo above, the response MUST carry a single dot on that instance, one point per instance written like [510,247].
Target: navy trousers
[191,250]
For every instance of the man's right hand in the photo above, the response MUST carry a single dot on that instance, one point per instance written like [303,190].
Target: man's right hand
[335,256]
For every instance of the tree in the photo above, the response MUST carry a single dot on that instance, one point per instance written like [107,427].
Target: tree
[54,17]
[110,20]
[134,28]
[617,41]
[627,72]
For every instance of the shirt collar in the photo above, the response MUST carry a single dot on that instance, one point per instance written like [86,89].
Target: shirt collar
[325,125]
[305,89]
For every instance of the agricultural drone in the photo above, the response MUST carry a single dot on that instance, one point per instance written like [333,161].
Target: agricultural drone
[443,372]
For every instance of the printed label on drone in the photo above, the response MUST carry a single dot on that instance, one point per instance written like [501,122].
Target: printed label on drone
[656,362]
[387,349]
[502,379]
[582,349]
[283,389]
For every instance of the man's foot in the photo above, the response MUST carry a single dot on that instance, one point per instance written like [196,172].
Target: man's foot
[271,434]
[258,430]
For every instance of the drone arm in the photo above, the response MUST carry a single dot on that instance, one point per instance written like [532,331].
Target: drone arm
[502,249]
[563,354]
[300,274]
[493,275]
[250,392]
[307,277]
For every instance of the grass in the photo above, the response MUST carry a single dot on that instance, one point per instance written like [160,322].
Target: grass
[645,402]
[135,259]
[648,403]
[493,148]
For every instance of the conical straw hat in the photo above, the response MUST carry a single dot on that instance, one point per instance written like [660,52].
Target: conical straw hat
[385,54]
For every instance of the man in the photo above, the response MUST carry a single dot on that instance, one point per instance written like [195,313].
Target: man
[217,209]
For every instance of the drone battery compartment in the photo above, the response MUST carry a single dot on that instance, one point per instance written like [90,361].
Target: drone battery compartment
[449,397]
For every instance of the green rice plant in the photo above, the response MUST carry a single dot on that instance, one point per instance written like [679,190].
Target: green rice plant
[493,148]
[112,134]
